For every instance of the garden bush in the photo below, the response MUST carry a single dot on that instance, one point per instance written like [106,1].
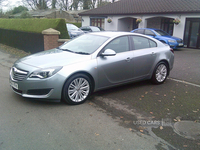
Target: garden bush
[35,25]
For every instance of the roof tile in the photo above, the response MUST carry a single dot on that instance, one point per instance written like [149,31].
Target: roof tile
[125,7]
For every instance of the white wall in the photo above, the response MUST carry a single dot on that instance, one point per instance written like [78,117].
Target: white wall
[113,25]
[118,24]
[180,28]
[85,21]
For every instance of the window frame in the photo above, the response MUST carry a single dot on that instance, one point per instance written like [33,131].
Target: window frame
[129,45]
[133,45]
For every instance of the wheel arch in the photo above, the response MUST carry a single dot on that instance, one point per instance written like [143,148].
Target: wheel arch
[167,63]
[81,72]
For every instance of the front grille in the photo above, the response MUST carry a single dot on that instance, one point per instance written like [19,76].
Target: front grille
[17,74]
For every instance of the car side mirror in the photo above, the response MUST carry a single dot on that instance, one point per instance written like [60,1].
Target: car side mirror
[108,52]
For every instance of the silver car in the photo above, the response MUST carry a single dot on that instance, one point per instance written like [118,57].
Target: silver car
[73,31]
[90,63]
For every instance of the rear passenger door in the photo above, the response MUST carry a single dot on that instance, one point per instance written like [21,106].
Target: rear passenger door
[143,55]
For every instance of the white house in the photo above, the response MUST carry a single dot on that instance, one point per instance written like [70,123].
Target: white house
[153,14]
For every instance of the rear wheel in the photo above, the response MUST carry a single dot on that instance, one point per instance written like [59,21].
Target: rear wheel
[160,73]
[77,89]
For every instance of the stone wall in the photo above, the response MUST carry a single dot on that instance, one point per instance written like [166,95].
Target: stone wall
[51,39]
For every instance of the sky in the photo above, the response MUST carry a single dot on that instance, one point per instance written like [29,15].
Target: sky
[9,4]
[6,5]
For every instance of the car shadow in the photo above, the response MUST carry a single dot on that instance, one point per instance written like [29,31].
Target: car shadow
[123,88]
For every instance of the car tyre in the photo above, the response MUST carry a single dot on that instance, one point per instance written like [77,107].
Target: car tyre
[160,73]
[77,89]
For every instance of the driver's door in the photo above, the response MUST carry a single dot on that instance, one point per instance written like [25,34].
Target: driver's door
[115,69]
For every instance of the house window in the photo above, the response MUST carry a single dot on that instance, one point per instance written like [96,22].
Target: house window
[98,22]
[167,25]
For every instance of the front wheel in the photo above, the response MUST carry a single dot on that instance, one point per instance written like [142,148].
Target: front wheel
[160,73]
[77,89]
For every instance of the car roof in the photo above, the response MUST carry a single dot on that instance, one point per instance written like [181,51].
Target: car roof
[113,33]
[148,28]
[89,26]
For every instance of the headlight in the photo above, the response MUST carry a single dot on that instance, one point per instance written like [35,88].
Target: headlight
[172,41]
[45,73]
[73,33]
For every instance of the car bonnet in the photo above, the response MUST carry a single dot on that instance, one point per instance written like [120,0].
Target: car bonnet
[54,57]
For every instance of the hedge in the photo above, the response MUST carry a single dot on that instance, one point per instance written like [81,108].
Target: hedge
[35,25]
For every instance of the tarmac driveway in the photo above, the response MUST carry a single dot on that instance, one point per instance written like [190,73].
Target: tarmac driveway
[175,100]
[187,65]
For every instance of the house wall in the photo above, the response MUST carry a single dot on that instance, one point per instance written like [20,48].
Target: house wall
[153,20]
[85,20]
[113,25]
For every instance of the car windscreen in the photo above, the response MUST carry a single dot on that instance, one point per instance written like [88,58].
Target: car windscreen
[95,29]
[161,33]
[85,44]
[72,27]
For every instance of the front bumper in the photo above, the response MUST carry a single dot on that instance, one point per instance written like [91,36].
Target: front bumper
[176,45]
[50,88]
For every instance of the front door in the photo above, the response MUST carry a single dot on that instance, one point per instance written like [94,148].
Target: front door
[115,69]
[192,33]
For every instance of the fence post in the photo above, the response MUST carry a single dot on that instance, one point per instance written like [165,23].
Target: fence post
[51,37]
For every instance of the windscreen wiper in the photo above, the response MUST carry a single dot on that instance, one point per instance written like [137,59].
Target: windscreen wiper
[65,49]
[84,53]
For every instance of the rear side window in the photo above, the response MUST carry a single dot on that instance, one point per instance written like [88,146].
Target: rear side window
[141,31]
[140,42]
[152,43]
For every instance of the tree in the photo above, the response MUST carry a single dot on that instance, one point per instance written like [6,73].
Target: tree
[38,4]
[19,9]
[25,14]
[75,4]
[53,4]
[86,4]
[102,3]
[93,3]
[63,4]
[1,13]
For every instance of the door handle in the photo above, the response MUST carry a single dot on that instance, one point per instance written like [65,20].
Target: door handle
[153,53]
[128,59]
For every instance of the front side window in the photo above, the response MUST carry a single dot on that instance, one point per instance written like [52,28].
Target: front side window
[161,33]
[119,45]
[72,27]
[142,42]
